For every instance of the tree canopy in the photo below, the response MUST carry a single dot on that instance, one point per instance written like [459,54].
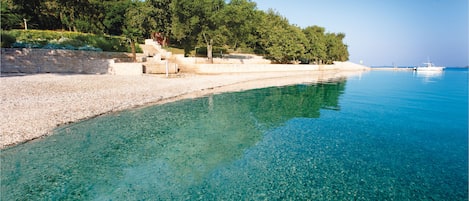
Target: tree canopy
[234,24]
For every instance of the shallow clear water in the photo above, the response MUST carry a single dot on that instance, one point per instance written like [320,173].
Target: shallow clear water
[381,136]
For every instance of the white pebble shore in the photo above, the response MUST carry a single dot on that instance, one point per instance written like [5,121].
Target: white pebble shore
[33,105]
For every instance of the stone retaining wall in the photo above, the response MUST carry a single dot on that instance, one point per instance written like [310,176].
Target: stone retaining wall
[25,60]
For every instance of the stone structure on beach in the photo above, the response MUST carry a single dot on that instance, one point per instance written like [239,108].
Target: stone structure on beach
[154,60]
[26,60]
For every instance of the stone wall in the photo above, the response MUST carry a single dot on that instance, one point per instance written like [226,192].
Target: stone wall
[25,60]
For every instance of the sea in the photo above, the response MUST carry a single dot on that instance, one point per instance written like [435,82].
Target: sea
[382,135]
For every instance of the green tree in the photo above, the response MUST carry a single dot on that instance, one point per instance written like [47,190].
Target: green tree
[185,26]
[143,18]
[296,43]
[194,23]
[202,23]
[132,29]
[238,19]
[162,15]
[114,18]
[10,18]
[38,13]
[316,49]
[278,39]
[336,49]
[82,15]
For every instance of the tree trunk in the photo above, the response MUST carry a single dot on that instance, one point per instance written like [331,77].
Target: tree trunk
[187,50]
[134,50]
[209,51]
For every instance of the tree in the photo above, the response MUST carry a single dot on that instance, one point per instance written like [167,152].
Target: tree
[143,18]
[161,14]
[10,18]
[336,49]
[185,26]
[38,13]
[280,41]
[132,29]
[202,23]
[194,23]
[114,18]
[295,48]
[82,15]
[238,19]
[315,44]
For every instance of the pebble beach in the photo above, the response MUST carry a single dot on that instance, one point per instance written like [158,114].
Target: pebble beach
[34,105]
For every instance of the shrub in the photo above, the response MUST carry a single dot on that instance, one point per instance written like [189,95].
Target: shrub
[65,40]
[7,39]
[103,43]
[90,48]
[25,45]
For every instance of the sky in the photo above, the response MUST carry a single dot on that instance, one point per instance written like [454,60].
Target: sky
[388,32]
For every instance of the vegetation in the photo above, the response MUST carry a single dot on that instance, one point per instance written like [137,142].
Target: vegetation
[63,40]
[187,24]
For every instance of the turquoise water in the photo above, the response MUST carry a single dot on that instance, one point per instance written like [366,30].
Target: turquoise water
[381,136]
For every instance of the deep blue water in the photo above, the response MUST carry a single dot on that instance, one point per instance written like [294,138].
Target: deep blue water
[381,136]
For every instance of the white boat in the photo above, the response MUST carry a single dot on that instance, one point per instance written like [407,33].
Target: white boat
[430,67]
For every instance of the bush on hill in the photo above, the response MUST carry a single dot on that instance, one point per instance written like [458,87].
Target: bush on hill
[7,39]
[63,40]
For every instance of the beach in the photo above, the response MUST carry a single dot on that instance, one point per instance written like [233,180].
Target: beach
[34,105]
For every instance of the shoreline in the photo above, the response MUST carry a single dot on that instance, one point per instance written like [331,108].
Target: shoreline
[34,105]
[390,69]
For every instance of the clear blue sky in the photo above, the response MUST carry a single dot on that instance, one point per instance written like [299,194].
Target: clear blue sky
[383,32]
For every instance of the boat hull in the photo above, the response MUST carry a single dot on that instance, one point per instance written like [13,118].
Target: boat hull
[433,68]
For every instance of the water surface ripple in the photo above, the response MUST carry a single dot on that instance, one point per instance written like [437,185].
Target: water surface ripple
[381,136]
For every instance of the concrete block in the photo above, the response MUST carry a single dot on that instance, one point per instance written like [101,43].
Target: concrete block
[125,68]
[160,68]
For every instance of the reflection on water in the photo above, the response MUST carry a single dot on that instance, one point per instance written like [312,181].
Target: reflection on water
[164,151]
[429,76]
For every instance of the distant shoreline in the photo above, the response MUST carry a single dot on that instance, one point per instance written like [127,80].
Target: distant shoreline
[410,68]
[391,69]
